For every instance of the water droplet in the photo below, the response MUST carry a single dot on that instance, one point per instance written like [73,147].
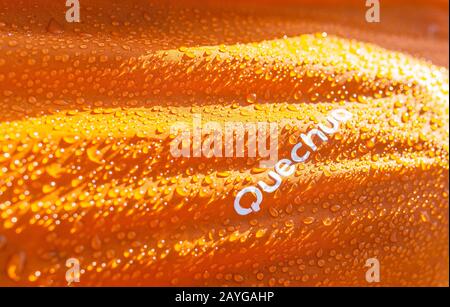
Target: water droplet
[96,243]
[2,242]
[16,265]
[54,27]
[251,98]
[308,220]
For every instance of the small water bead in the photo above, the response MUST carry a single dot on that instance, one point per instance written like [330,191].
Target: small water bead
[308,220]
[251,98]
[238,278]
[15,266]
[3,242]
[327,221]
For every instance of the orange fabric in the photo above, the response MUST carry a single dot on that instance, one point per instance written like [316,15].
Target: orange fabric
[86,171]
